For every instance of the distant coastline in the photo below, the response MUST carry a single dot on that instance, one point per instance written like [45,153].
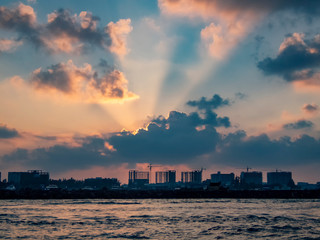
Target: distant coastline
[157,194]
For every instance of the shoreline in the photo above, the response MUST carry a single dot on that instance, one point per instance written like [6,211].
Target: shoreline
[158,194]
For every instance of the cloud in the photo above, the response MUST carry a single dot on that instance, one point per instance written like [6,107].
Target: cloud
[297,60]
[62,158]
[215,102]
[66,32]
[6,133]
[179,137]
[82,82]
[118,33]
[209,8]
[48,138]
[310,108]
[9,45]
[221,40]
[231,20]
[176,139]
[300,124]
[22,18]
[238,149]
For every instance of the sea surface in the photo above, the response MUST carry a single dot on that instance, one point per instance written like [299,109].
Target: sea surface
[160,219]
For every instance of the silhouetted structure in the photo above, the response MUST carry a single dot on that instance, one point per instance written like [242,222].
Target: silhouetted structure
[99,183]
[67,183]
[166,177]
[31,179]
[224,179]
[251,179]
[280,179]
[138,178]
[192,177]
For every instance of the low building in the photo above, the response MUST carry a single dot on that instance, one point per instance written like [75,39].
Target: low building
[138,178]
[226,179]
[307,186]
[166,177]
[192,177]
[280,179]
[251,179]
[31,178]
[99,183]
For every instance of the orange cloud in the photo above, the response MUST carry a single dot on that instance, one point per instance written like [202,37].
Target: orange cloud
[25,10]
[118,33]
[82,83]
[230,23]
[305,83]
[7,45]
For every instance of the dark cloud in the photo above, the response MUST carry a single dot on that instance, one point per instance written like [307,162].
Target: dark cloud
[215,102]
[237,149]
[241,95]
[62,158]
[64,31]
[57,76]
[48,138]
[83,28]
[82,82]
[22,18]
[310,7]
[105,66]
[210,7]
[297,58]
[173,138]
[179,138]
[300,124]
[310,108]
[6,133]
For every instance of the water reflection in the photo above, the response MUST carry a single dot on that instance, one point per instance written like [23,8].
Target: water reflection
[159,219]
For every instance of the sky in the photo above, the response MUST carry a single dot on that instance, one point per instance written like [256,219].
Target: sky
[93,89]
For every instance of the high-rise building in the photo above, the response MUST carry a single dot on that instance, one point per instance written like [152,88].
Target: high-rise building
[279,178]
[138,178]
[166,176]
[31,178]
[191,177]
[224,179]
[251,178]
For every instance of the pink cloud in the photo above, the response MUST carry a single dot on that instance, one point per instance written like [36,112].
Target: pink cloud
[7,45]
[118,33]
[66,32]
[310,108]
[229,24]
[82,83]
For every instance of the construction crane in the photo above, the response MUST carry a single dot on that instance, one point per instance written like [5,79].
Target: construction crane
[203,169]
[248,168]
[150,166]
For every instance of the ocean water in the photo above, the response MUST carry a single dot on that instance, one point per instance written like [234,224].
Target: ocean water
[160,219]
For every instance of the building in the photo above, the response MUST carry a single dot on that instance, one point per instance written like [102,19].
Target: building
[31,178]
[138,178]
[191,177]
[99,183]
[280,179]
[307,186]
[252,179]
[166,177]
[224,179]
